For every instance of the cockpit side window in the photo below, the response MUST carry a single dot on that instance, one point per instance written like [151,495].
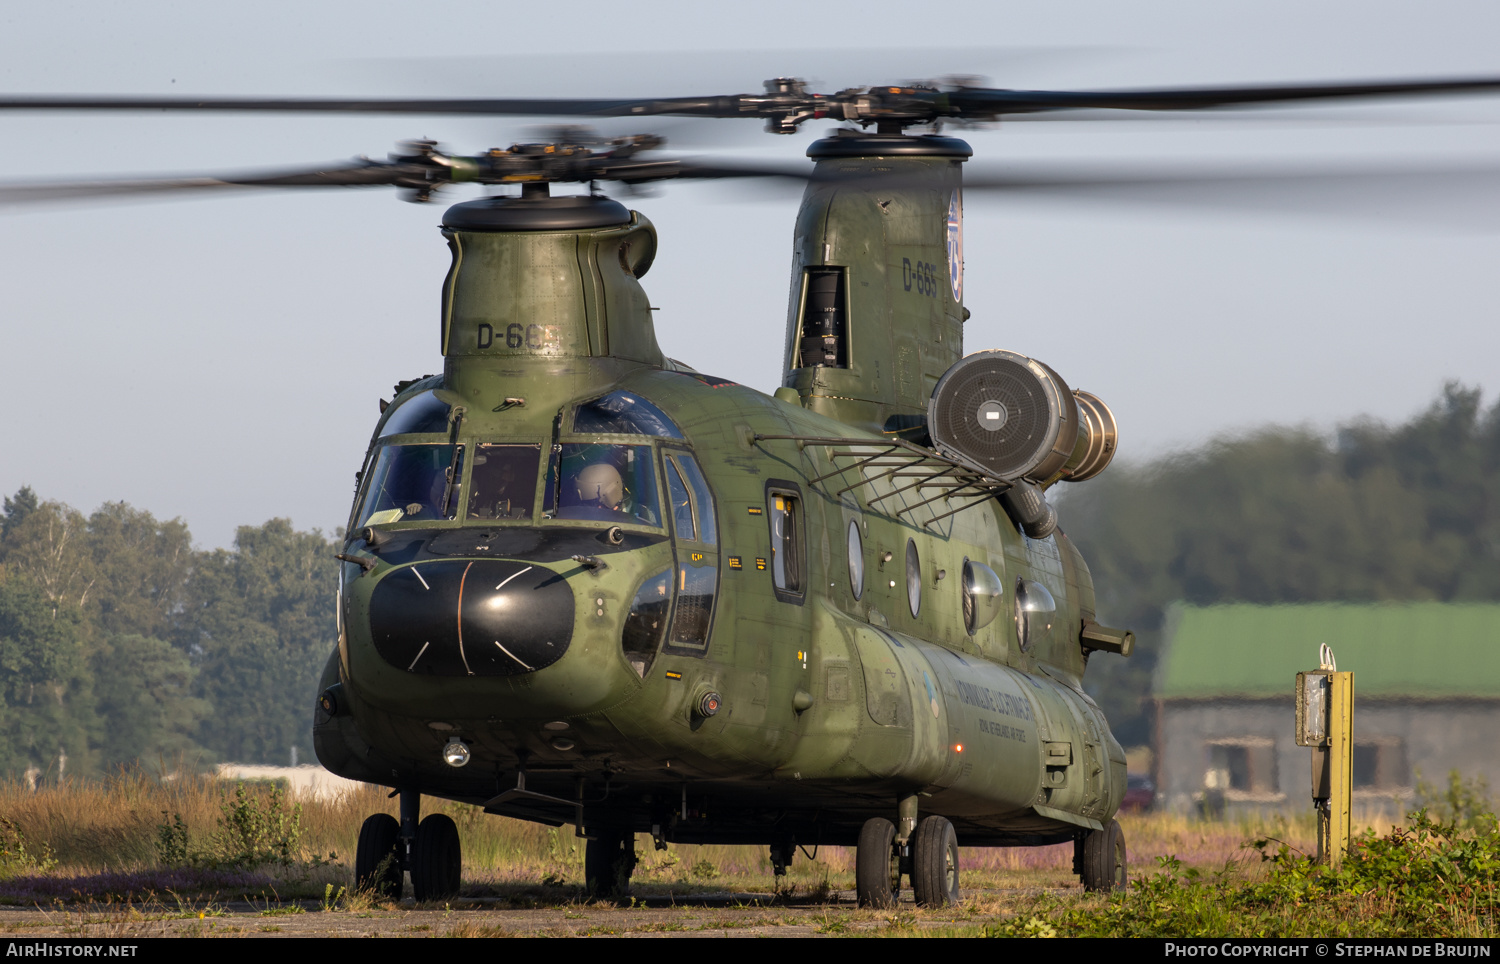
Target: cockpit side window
[696,533]
[682,504]
[623,413]
[408,482]
[703,500]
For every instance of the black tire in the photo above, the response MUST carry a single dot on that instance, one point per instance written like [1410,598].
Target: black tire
[934,863]
[1104,859]
[608,862]
[877,874]
[437,859]
[377,862]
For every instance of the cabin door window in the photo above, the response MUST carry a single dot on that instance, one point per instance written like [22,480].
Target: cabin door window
[787,559]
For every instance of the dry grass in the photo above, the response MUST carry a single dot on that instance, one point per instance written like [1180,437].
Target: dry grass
[112,826]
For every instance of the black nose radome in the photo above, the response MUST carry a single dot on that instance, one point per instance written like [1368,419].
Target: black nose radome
[483,617]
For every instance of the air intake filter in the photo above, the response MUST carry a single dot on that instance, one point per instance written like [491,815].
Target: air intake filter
[1009,416]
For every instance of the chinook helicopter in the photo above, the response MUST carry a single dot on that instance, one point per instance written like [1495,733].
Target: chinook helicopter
[586,584]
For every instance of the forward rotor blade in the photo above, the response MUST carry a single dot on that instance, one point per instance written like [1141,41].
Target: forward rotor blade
[370,173]
[702,169]
[520,107]
[1453,195]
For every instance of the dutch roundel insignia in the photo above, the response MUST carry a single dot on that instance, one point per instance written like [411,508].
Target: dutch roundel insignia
[956,244]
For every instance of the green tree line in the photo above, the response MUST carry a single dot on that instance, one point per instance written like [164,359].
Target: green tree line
[1368,513]
[119,641]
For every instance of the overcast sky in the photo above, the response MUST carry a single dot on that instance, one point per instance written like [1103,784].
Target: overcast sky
[222,359]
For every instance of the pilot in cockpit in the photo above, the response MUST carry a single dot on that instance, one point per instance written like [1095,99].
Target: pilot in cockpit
[600,485]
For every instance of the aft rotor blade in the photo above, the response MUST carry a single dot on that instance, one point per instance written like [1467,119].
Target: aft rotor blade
[1451,195]
[976,102]
[913,105]
[678,73]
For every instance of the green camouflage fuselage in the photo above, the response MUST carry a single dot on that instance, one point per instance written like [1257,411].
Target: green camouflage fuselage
[838,685]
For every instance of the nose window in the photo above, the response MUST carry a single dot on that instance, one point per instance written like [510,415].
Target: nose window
[647,619]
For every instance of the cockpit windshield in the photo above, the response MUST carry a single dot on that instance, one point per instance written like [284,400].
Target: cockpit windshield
[604,483]
[408,482]
[502,484]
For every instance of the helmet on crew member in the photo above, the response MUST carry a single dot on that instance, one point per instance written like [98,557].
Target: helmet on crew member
[601,484]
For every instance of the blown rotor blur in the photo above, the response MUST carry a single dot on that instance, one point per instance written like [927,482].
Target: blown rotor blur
[575,154]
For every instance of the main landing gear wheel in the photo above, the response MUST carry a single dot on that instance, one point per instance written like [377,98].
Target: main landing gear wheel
[1102,862]
[934,863]
[377,862]
[608,862]
[437,859]
[877,869]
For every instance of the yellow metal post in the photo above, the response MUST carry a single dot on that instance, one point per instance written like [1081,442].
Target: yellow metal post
[1325,722]
[1333,814]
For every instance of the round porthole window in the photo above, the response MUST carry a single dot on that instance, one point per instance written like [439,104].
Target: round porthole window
[983,596]
[856,561]
[1035,613]
[913,578]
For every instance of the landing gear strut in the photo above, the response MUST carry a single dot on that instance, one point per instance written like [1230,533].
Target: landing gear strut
[388,848]
[608,862]
[782,853]
[931,859]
